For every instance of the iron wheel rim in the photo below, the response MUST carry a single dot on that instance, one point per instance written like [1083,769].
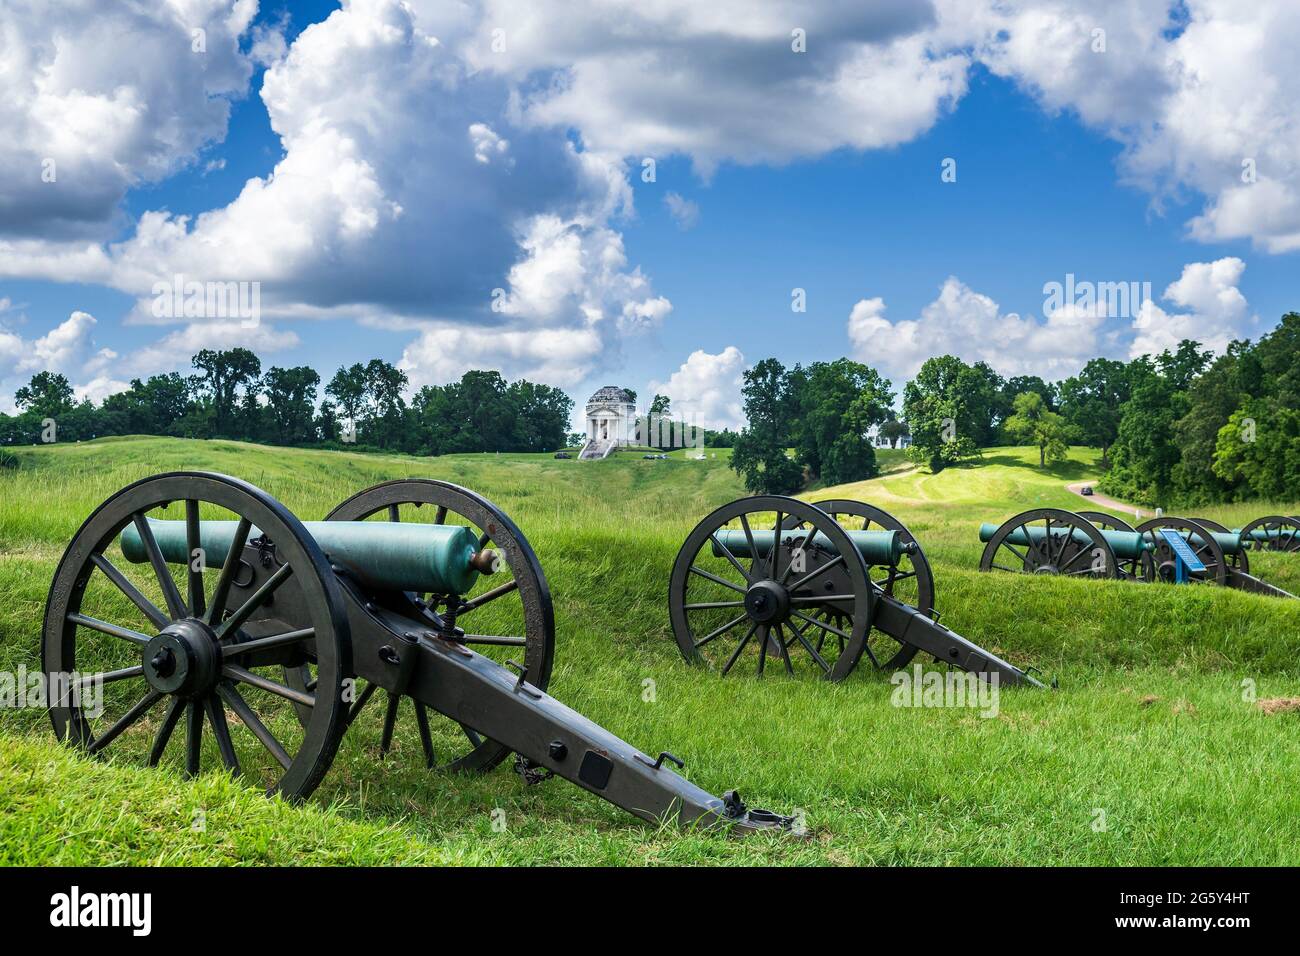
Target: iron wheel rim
[303,766]
[774,639]
[1056,559]
[450,501]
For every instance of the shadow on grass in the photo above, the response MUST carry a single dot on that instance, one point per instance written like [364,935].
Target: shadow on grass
[1065,470]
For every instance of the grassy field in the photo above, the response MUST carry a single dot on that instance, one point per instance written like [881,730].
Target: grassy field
[1151,752]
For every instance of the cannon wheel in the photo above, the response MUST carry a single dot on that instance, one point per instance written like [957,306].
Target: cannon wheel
[524,595]
[1239,561]
[143,633]
[890,580]
[1058,554]
[1208,550]
[1288,529]
[1141,568]
[759,607]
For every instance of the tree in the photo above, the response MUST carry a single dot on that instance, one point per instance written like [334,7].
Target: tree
[840,402]
[386,409]
[221,375]
[1093,401]
[894,430]
[660,405]
[291,396]
[152,407]
[1033,423]
[759,455]
[348,389]
[939,410]
[47,395]
[541,416]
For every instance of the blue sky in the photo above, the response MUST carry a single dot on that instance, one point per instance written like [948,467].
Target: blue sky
[382,223]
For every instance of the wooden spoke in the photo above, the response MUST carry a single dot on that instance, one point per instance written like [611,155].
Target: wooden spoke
[719,632]
[726,553]
[95,624]
[147,607]
[193,543]
[126,720]
[486,596]
[228,570]
[821,661]
[230,694]
[108,677]
[776,545]
[220,730]
[717,580]
[193,738]
[825,627]
[838,559]
[740,647]
[265,643]
[712,605]
[256,600]
[236,673]
[172,595]
[785,650]
[169,723]
[393,513]
[749,537]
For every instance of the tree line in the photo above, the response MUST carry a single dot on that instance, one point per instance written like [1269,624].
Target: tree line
[363,406]
[1180,426]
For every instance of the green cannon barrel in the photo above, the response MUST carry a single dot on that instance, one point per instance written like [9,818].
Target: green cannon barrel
[1126,544]
[1264,535]
[876,547]
[392,556]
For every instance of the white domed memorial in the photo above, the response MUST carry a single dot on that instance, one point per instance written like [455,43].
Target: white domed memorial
[611,422]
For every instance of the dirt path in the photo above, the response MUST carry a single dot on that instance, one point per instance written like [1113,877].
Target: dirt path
[1102,501]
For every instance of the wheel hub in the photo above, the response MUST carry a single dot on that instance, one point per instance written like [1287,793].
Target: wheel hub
[767,601]
[184,659]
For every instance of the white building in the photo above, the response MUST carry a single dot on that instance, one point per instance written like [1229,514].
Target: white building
[611,421]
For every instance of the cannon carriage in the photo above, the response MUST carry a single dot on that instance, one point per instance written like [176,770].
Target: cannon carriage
[1168,549]
[775,582]
[412,590]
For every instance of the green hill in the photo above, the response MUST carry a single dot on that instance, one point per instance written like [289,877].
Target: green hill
[1150,732]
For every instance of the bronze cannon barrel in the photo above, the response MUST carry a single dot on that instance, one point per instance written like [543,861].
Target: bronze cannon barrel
[1125,544]
[876,547]
[392,556]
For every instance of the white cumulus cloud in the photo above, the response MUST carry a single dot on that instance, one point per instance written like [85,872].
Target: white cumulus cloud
[705,389]
[972,326]
[1213,310]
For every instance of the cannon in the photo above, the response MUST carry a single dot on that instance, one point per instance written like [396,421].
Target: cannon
[419,589]
[1273,533]
[1094,545]
[813,587]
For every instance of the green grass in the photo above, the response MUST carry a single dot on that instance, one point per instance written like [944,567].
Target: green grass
[1149,725]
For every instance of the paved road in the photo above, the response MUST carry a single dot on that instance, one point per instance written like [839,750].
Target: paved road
[1098,500]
